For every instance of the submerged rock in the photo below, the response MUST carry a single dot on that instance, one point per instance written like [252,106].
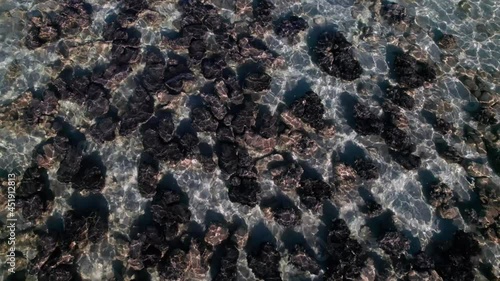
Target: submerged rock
[265,262]
[310,110]
[398,140]
[203,120]
[411,73]
[91,175]
[303,261]
[174,265]
[244,190]
[285,215]
[401,97]
[262,11]
[313,192]
[84,228]
[346,256]
[447,42]
[216,234]
[394,244]
[147,176]
[395,13]
[290,27]
[334,56]
[366,169]
[257,82]
[367,123]
[287,177]
[228,269]
[104,130]
[456,261]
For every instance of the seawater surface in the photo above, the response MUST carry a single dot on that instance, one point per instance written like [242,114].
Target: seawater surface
[475,23]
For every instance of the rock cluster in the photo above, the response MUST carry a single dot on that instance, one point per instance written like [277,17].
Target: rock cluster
[333,54]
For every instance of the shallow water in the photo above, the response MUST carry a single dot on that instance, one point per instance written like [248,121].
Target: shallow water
[476,24]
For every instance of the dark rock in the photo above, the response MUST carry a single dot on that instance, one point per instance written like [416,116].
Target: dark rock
[153,144]
[262,11]
[344,177]
[208,163]
[290,26]
[74,16]
[216,234]
[485,115]
[70,165]
[448,152]
[394,116]
[225,134]
[347,257]
[139,109]
[310,110]
[269,125]
[173,152]
[250,47]
[245,118]
[215,23]
[35,206]
[228,158]
[422,262]
[371,208]
[447,42]
[287,177]
[455,263]
[366,169]
[217,107]
[401,97]
[440,194]
[166,128]
[167,210]
[130,10]
[443,126]
[303,261]
[203,120]
[245,191]
[90,176]
[229,263]
[398,140]
[394,244]
[287,216]
[176,75]
[367,123]
[103,130]
[411,73]
[173,266]
[147,176]
[265,262]
[257,82]
[229,90]
[493,154]
[395,13]
[189,143]
[34,180]
[197,50]
[61,145]
[124,54]
[42,31]
[194,31]
[84,228]
[313,192]
[152,75]
[212,66]
[334,56]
